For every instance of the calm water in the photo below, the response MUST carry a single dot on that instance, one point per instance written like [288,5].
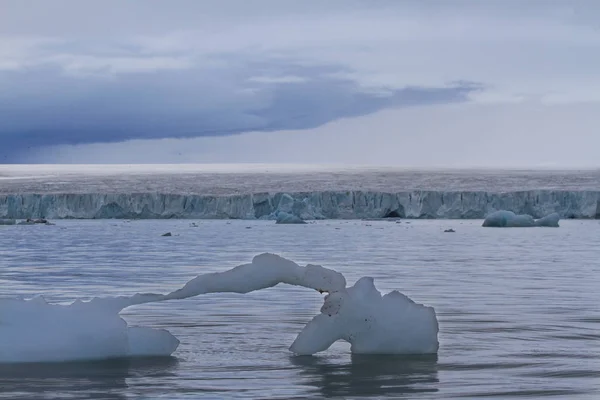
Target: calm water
[519,309]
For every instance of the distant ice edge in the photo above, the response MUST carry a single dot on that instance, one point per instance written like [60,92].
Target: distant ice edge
[307,206]
[37,331]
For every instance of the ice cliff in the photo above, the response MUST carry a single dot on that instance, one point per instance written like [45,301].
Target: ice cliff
[308,205]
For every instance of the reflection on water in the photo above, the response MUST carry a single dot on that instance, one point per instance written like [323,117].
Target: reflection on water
[369,375]
[362,375]
[85,380]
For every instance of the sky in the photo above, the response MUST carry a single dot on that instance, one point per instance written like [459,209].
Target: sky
[446,83]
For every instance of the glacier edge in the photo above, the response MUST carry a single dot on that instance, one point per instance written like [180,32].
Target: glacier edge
[306,205]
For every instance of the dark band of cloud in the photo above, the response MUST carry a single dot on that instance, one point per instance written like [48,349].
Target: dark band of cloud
[43,106]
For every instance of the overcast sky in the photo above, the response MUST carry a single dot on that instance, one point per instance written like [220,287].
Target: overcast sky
[507,83]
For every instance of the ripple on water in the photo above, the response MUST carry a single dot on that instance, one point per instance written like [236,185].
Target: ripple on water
[518,309]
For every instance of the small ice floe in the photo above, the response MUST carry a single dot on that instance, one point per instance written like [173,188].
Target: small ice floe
[287,218]
[37,331]
[508,219]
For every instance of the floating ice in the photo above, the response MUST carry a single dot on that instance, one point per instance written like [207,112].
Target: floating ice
[287,218]
[508,219]
[549,221]
[266,270]
[371,323]
[36,331]
[7,222]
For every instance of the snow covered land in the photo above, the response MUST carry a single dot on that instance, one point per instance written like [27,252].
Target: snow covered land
[308,192]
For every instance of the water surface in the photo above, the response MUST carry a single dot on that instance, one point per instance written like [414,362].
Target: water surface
[518,308]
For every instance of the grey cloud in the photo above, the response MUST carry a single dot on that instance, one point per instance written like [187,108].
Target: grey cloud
[43,107]
[114,18]
[75,72]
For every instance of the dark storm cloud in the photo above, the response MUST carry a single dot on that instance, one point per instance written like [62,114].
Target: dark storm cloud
[105,72]
[44,106]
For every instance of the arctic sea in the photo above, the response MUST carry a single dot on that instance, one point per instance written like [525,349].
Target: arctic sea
[518,308]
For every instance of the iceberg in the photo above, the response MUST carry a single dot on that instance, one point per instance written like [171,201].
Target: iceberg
[550,221]
[287,218]
[304,205]
[37,331]
[371,323]
[508,219]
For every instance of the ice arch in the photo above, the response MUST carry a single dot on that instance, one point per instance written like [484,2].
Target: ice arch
[36,331]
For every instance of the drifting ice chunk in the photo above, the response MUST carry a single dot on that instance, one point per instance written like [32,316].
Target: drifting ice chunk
[266,270]
[371,323]
[7,222]
[549,221]
[392,324]
[286,218]
[508,219]
[35,331]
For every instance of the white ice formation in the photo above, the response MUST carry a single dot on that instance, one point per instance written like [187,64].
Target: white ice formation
[508,219]
[287,218]
[550,221]
[35,331]
[307,205]
[371,323]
